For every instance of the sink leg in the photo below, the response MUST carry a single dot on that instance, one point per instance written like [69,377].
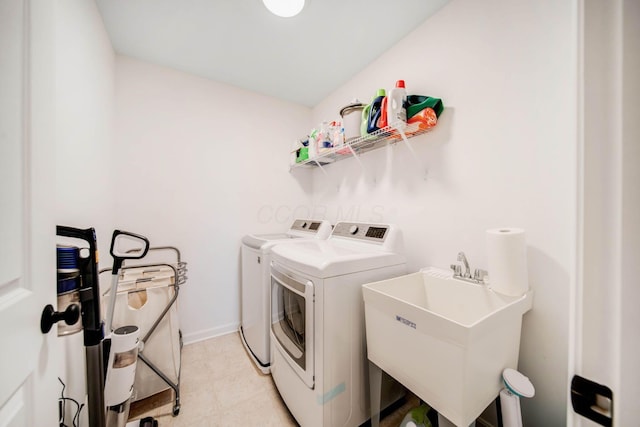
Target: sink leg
[375,390]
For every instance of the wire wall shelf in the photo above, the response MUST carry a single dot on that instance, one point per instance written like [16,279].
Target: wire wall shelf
[392,134]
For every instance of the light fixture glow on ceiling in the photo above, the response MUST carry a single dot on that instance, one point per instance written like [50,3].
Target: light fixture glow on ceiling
[284,8]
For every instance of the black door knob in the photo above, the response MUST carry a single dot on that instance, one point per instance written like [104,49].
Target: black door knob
[50,316]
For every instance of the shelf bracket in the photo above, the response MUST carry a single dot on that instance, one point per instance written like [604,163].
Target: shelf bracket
[320,166]
[400,130]
[355,155]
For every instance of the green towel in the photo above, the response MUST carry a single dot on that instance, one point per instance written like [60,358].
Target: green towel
[417,103]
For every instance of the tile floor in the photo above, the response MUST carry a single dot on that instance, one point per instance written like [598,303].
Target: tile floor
[220,386]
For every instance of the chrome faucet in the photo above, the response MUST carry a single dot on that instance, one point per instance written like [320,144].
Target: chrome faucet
[478,275]
[463,259]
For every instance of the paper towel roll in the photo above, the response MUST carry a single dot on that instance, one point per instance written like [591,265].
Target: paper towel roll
[507,260]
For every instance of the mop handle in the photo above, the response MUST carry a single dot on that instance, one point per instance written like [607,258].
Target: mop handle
[112,303]
[118,258]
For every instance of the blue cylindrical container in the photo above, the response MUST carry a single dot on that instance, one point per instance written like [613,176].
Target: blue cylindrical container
[68,268]
[68,286]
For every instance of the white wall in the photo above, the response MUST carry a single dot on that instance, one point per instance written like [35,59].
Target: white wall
[85,94]
[197,165]
[84,107]
[503,154]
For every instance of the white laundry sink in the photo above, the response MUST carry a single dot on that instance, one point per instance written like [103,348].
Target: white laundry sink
[445,339]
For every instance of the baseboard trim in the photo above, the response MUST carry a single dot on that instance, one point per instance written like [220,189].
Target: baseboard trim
[206,334]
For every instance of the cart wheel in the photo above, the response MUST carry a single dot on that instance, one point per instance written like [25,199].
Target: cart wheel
[176,410]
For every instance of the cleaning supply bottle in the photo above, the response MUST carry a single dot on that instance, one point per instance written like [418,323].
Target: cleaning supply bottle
[313,144]
[374,111]
[382,120]
[417,417]
[337,134]
[365,119]
[396,104]
[295,152]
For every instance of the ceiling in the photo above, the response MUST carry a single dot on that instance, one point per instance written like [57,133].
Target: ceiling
[301,59]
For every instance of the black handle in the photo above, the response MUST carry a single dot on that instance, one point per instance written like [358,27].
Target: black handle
[584,399]
[118,258]
[50,317]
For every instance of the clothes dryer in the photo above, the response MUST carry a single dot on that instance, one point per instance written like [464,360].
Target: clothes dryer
[318,348]
[256,285]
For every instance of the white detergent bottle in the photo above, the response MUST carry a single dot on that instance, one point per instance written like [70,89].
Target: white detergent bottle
[396,100]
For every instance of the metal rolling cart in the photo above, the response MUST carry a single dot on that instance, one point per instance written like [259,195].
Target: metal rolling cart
[147,297]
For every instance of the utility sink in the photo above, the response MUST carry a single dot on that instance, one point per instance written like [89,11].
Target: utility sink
[445,339]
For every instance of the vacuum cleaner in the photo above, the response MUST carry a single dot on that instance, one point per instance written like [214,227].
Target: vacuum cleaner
[122,343]
[111,359]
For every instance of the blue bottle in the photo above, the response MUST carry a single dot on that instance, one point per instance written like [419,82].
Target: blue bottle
[375,111]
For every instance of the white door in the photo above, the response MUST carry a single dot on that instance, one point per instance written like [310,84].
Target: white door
[29,360]
[607,339]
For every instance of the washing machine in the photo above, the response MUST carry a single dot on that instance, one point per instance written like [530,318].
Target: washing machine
[256,285]
[318,348]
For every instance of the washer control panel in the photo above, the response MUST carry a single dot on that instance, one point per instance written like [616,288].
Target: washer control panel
[305,225]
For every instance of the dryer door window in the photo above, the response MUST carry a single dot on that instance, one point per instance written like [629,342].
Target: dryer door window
[292,321]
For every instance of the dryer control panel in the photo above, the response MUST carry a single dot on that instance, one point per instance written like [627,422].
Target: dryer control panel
[368,232]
